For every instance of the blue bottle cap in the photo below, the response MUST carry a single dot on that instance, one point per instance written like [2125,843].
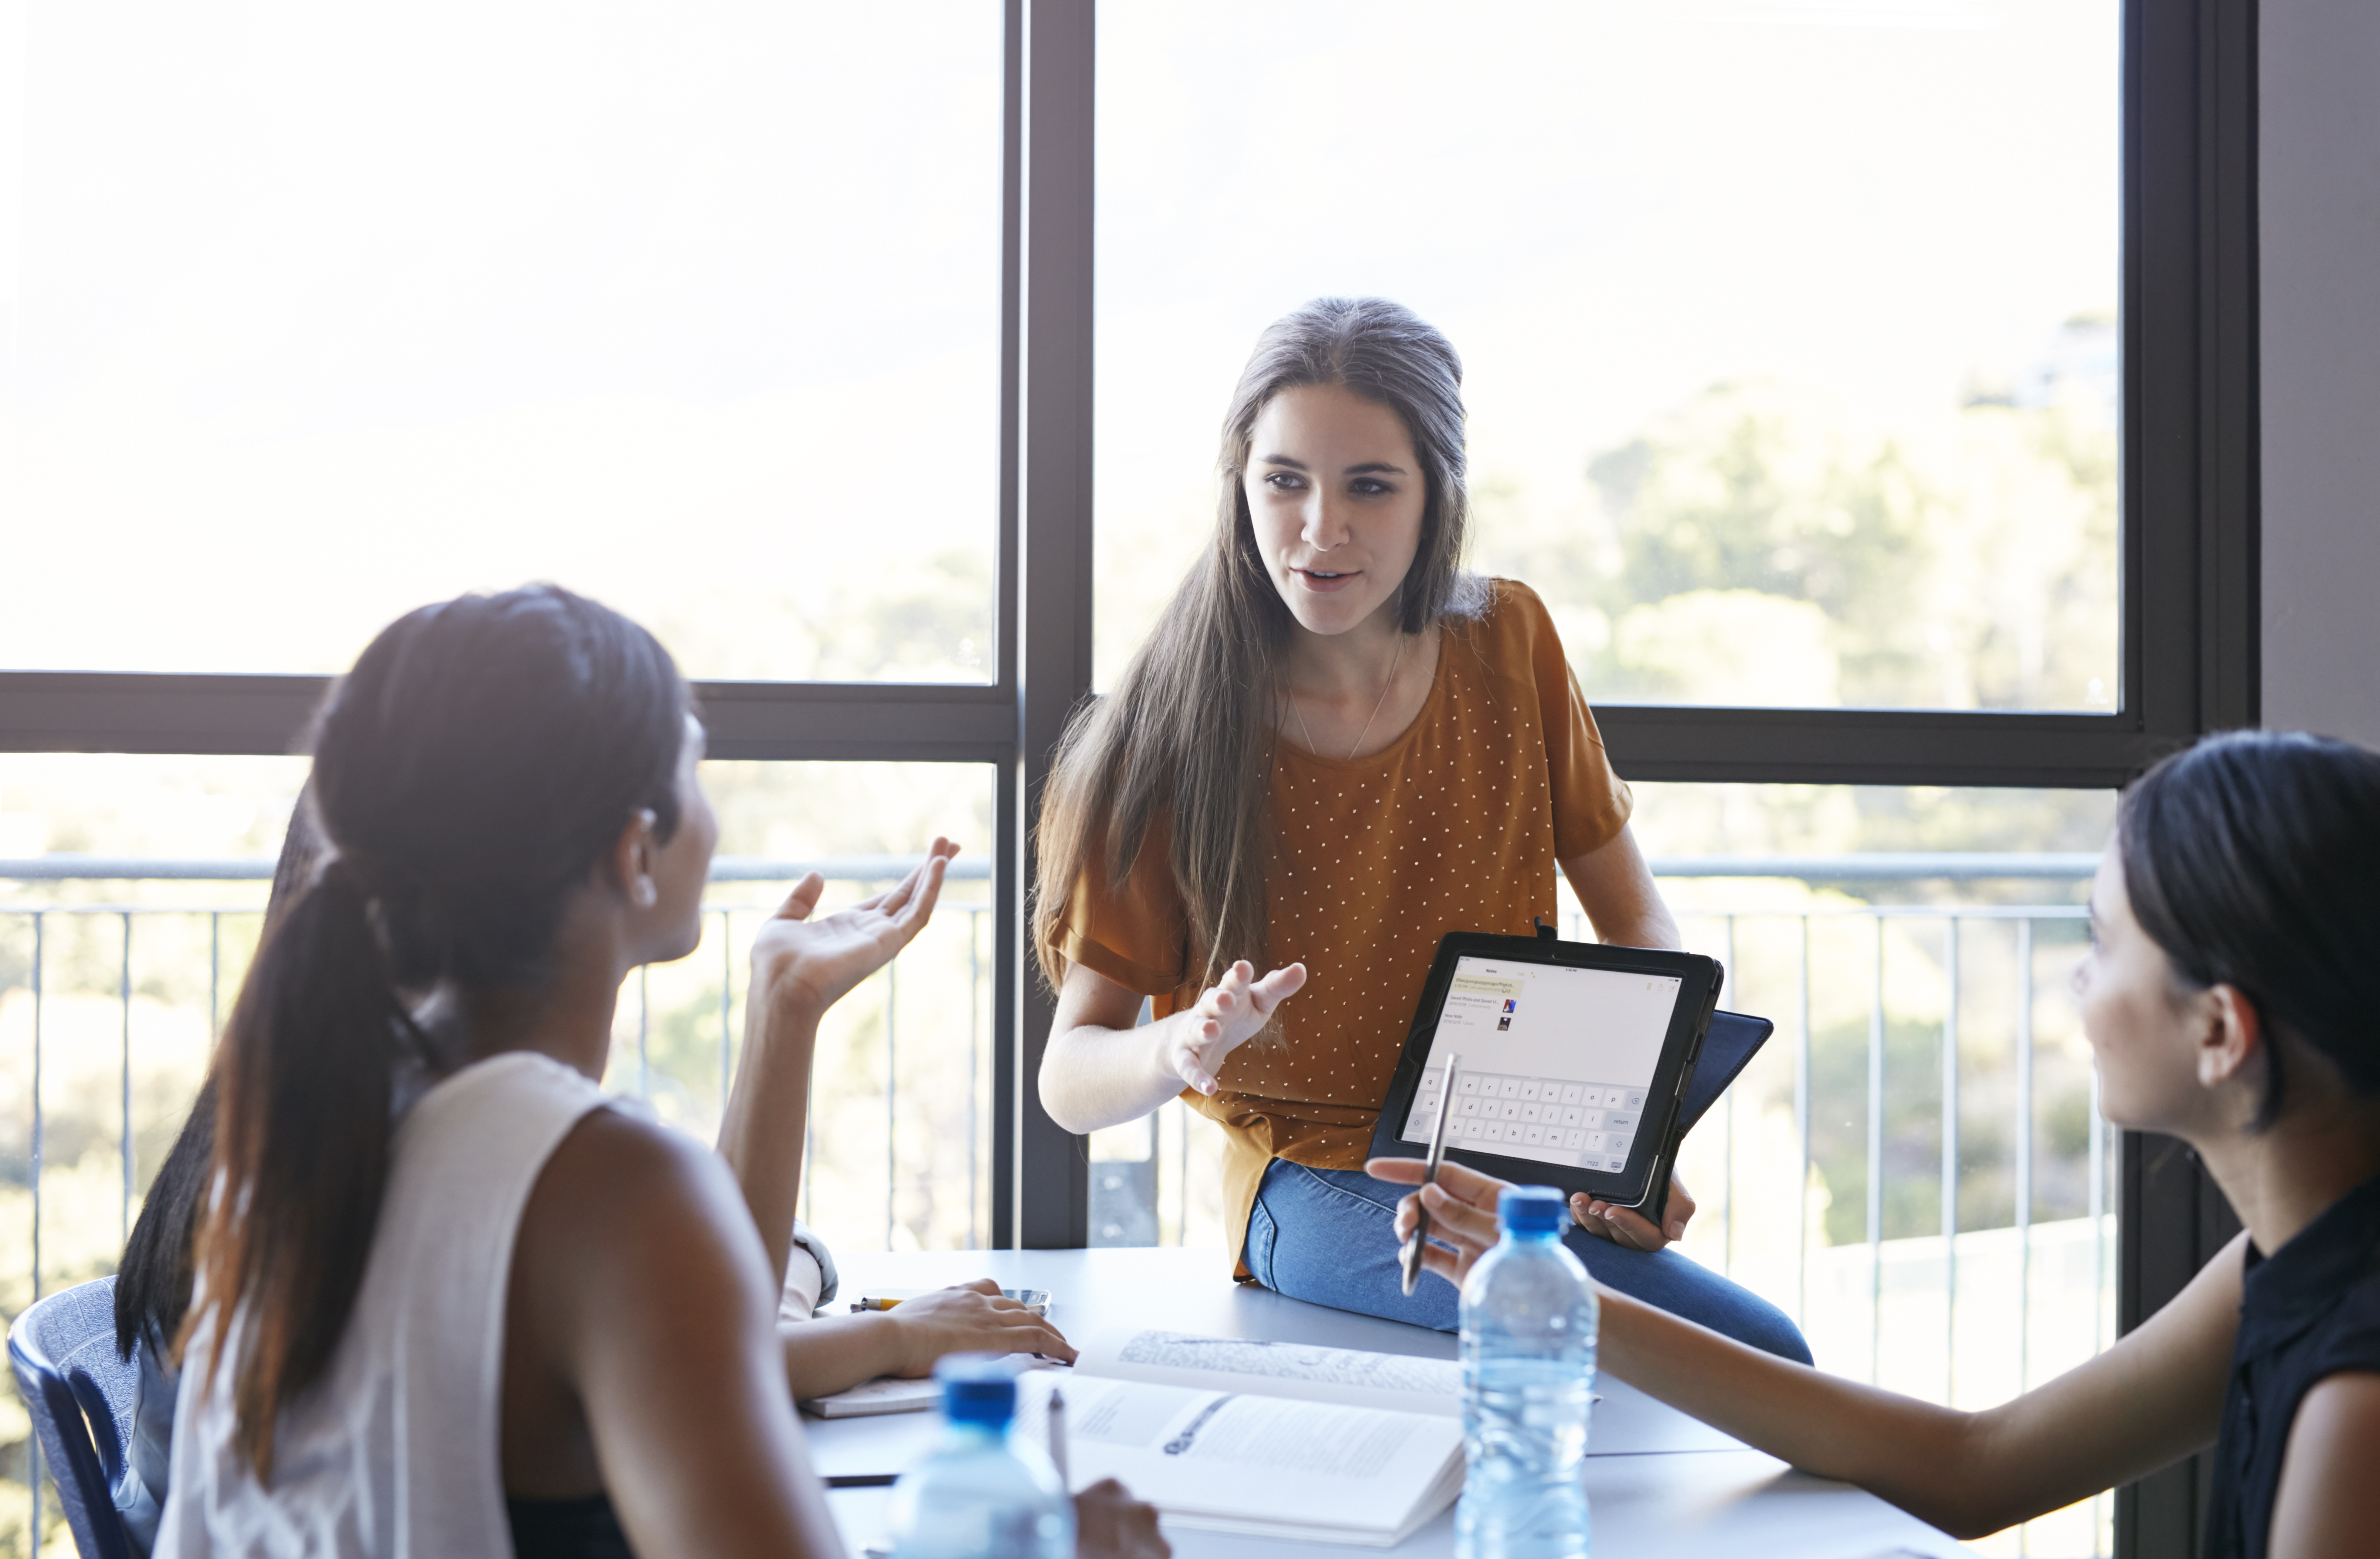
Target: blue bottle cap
[977,1388]
[1531,1209]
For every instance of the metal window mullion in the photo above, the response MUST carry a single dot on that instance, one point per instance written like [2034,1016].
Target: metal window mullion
[1726,1160]
[153,712]
[33,1442]
[34,1166]
[1950,1163]
[1008,606]
[1052,596]
[1802,1137]
[1876,1164]
[123,1102]
[2023,1178]
[2098,1211]
[2099,1129]
[974,1077]
[2024,1152]
[727,1009]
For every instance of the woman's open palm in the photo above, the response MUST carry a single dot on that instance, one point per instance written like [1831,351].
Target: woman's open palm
[1229,1013]
[815,963]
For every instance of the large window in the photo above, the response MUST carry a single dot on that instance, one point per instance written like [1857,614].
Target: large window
[1789,330]
[320,314]
[1866,384]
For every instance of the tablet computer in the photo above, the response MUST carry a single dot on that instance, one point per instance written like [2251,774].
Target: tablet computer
[1575,1056]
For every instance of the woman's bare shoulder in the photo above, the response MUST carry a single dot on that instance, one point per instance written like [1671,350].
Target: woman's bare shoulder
[621,1188]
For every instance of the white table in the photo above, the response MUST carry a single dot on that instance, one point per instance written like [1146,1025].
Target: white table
[1659,1483]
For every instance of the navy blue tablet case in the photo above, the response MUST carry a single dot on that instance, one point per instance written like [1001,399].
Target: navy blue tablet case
[1729,1046]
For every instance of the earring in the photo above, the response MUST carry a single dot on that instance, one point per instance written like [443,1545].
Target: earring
[646,894]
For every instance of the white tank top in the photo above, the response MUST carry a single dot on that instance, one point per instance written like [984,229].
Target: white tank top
[394,1454]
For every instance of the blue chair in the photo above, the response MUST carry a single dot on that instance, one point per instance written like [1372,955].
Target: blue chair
[80,1395]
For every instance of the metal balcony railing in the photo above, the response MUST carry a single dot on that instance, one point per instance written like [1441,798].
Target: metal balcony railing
[1909,1049]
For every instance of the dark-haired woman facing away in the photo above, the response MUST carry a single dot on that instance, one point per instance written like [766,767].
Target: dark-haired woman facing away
[449,1302]
[768,1104]
[2231,996]
[1335,747]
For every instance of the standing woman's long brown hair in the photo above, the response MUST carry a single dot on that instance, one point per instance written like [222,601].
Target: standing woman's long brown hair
[1189,727]
[470,775]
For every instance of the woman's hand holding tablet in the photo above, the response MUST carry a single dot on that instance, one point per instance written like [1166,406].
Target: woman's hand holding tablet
[1625,1226]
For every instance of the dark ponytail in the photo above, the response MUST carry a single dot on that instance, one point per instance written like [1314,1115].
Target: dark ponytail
[470,776]
[153,1283]
[2253,859]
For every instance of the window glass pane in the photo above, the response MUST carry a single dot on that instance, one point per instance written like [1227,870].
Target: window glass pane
[900,1148]
[315,314]
[1787,324]
[136,973]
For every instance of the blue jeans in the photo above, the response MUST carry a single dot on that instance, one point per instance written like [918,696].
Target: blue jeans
[1326,1236]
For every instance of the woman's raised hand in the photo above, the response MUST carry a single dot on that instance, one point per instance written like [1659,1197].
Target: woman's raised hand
[812,965]
[1227,1016]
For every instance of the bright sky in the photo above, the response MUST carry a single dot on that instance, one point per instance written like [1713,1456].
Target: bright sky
[321,312]
[1607,206]
[311,314]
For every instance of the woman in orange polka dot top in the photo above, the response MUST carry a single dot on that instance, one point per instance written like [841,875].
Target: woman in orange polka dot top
[1335,747]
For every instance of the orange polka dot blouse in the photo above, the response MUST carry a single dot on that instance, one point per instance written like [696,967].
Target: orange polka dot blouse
[1455,827]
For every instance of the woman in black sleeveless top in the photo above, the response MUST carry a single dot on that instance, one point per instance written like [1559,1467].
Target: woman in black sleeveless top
[2231,996]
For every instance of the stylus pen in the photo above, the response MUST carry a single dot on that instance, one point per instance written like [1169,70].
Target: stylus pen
[1429,1171]
[1058,1433]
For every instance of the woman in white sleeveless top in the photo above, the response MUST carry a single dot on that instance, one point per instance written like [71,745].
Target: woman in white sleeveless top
[450,1303]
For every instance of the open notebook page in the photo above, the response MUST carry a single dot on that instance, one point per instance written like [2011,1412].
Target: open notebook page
[1236,1461]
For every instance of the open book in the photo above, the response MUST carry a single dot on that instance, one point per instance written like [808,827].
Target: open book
[1265,1439]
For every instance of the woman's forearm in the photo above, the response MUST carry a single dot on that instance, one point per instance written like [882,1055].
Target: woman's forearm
[1923,1458]
[833,1353]
[766,1122]
[1616,889]
[1094,1077]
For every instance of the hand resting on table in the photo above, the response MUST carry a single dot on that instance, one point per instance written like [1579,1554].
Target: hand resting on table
[971,1317]
[836,1352]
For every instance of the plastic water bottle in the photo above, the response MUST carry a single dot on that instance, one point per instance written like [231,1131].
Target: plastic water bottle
[1528,1374]
[981,1494]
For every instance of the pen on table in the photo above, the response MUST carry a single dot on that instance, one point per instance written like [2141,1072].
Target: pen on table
[1429,1172]
[1058,1434]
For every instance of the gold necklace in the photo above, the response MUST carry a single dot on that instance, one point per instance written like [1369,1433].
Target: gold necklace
[1307,731]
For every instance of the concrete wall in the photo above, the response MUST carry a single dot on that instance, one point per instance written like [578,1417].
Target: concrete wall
[2319,148]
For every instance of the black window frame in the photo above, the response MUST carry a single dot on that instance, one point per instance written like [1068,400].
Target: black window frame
[2189,595]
